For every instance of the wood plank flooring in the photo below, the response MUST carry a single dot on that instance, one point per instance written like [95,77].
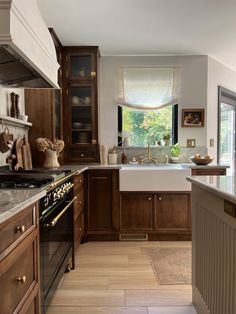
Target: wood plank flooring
[117,278]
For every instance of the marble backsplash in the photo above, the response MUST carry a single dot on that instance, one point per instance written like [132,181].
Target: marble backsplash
[159,153]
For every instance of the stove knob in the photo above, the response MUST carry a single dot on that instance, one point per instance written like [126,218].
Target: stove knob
[54,196]
[46,202]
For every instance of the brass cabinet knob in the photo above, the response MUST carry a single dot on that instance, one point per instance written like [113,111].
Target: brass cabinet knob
[159,198]
[80,229]
[149,198]
[22,279]
[93,74]
[80,202]
[81,155]
[20,228]
[80,181]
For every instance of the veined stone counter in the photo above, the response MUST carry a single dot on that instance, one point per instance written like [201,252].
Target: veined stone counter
[13,201]
[222,186]
[214,244]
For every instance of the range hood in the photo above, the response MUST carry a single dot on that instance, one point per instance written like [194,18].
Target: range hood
[27,52]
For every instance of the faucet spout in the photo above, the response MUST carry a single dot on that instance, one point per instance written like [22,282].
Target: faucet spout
[149,155]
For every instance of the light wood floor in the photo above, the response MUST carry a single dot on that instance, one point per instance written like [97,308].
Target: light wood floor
[117,278]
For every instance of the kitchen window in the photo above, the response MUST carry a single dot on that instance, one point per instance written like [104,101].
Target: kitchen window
[139,125]
[147,105]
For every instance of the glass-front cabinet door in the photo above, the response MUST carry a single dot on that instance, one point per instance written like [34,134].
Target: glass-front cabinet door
[81,66]
[81,113]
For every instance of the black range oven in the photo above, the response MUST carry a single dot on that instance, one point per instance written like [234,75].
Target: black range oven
[56,223]
[56,238]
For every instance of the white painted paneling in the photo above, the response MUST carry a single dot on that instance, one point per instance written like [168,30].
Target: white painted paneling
[5,105]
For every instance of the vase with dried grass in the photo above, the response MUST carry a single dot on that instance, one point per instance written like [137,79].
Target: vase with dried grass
[52,151]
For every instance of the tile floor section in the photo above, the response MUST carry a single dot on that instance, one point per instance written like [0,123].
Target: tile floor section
[117,278]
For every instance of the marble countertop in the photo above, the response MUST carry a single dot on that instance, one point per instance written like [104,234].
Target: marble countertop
[222,186]
[13,201]
[82,168]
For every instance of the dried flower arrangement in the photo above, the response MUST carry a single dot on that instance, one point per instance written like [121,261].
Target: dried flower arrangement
[44,143]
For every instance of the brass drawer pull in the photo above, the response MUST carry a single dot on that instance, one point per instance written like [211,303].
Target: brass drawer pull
[22,279]
[81,155]
[20,228]
[80,229]
[149,198]
[159,198]
[80,181]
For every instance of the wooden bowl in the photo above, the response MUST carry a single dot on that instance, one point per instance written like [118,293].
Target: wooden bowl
[201,161]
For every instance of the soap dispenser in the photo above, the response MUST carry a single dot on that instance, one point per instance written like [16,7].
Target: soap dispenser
[124,159]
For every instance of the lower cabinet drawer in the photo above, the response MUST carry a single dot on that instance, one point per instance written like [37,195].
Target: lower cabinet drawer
[16,229]
[20,276]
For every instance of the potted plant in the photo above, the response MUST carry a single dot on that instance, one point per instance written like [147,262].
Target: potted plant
[166,139]
[175,152]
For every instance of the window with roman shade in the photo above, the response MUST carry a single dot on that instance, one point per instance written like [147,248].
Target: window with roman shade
[148,88]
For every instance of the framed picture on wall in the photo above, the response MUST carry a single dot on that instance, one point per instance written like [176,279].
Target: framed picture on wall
[193,118]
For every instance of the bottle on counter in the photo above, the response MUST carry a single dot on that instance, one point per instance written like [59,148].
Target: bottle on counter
[124,159]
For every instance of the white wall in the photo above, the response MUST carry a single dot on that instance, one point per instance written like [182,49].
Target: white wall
[218,75]
[193,92]
[5,101]
[5,105]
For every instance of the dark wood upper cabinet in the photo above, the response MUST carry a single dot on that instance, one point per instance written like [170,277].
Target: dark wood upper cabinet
[80,105]
[44,108]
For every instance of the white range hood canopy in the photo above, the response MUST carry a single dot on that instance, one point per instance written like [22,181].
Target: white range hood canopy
[27,53]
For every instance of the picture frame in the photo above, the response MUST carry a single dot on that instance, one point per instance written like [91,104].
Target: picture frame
[192,118]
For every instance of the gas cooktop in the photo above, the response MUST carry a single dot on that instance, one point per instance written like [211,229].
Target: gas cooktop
[35,178]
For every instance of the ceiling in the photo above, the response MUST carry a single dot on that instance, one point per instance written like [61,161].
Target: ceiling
[147,27]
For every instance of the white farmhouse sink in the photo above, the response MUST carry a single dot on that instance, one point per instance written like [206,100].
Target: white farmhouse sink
[154,178]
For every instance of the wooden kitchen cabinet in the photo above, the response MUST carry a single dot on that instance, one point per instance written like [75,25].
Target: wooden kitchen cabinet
[159,216]
[78,191]
[172,215]
[102,214]
[80,105]
[44,110]
[136,212]
[19,262]
[208,172]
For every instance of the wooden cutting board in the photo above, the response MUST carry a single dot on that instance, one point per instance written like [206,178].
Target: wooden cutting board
[19,157]
[26,155]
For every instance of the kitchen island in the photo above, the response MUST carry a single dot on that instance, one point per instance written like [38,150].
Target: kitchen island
[214,244]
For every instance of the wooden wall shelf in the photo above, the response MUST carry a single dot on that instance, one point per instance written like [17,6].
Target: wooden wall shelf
[15,122]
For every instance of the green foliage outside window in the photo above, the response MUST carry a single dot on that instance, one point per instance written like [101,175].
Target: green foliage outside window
[141,124]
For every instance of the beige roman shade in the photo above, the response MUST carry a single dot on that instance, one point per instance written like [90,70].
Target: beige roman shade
[148,88]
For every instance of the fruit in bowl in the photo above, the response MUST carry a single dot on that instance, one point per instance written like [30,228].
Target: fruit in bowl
[204,160]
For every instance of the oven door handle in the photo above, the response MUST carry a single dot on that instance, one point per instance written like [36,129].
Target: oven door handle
[53,222]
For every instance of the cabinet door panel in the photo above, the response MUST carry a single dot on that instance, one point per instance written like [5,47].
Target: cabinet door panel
[172,212]
[81,66]
[20,278]
[100,200]
[136,212]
